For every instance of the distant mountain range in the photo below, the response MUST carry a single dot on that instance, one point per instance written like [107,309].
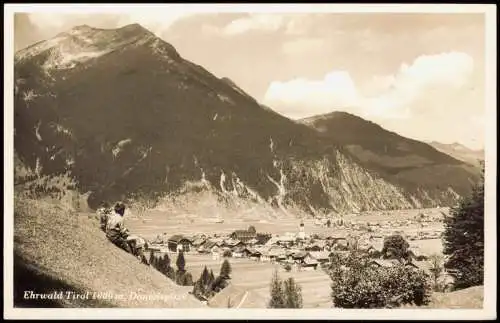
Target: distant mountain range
[124,113]
[460,152]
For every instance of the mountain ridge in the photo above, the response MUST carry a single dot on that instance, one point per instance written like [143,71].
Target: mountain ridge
[137,117]
[398,159]
[461,152]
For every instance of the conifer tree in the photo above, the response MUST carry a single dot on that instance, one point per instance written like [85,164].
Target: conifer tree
[205,276]
[225,270]
[160,262]
[463,239]
[210,283]
[153,260]
[292,294]
[181,262]
[198,288]
[277,293]
[166,263]
[211,276]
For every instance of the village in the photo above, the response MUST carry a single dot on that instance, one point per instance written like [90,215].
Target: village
[304,251]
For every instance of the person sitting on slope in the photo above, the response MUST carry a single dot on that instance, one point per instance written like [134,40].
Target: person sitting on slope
[115,230]
[138,245]
[103,212]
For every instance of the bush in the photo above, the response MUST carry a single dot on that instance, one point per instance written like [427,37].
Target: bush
[287,267]
[355,284]
[227,253]
[396,247]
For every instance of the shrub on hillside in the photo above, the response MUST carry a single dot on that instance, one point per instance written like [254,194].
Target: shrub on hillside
[357,284]
[227,253]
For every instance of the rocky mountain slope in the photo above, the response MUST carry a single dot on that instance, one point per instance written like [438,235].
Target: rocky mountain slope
[125,113]
[460,152]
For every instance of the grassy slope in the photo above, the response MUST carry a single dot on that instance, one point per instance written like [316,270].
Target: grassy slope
[56,249]
[466,298]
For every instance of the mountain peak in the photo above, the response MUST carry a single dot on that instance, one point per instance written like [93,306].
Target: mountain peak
[134,29]
[82,28]
[82,43]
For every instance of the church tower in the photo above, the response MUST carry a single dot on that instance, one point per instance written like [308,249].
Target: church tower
[302,232]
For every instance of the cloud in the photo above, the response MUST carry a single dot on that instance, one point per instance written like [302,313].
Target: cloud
[259,22]
[289,23]
[452,68]
[304,46]
[156,21]
[395,96]
[437,76]
[308,97]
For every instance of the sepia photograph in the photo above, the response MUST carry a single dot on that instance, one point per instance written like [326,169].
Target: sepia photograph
[250,161]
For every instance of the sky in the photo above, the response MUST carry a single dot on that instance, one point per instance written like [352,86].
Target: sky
[420,75]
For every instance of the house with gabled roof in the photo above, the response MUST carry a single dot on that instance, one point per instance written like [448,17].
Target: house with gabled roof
[318,245]
[243,235]
[232,243]
[179,242]
[252,242]
[308,263]
[238,252]
[384,263]
[276,253]
[263,238]
[298,256]
[320,256]
[199,242]
[251,253]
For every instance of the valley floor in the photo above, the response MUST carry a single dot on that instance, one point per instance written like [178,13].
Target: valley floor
[255,277]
